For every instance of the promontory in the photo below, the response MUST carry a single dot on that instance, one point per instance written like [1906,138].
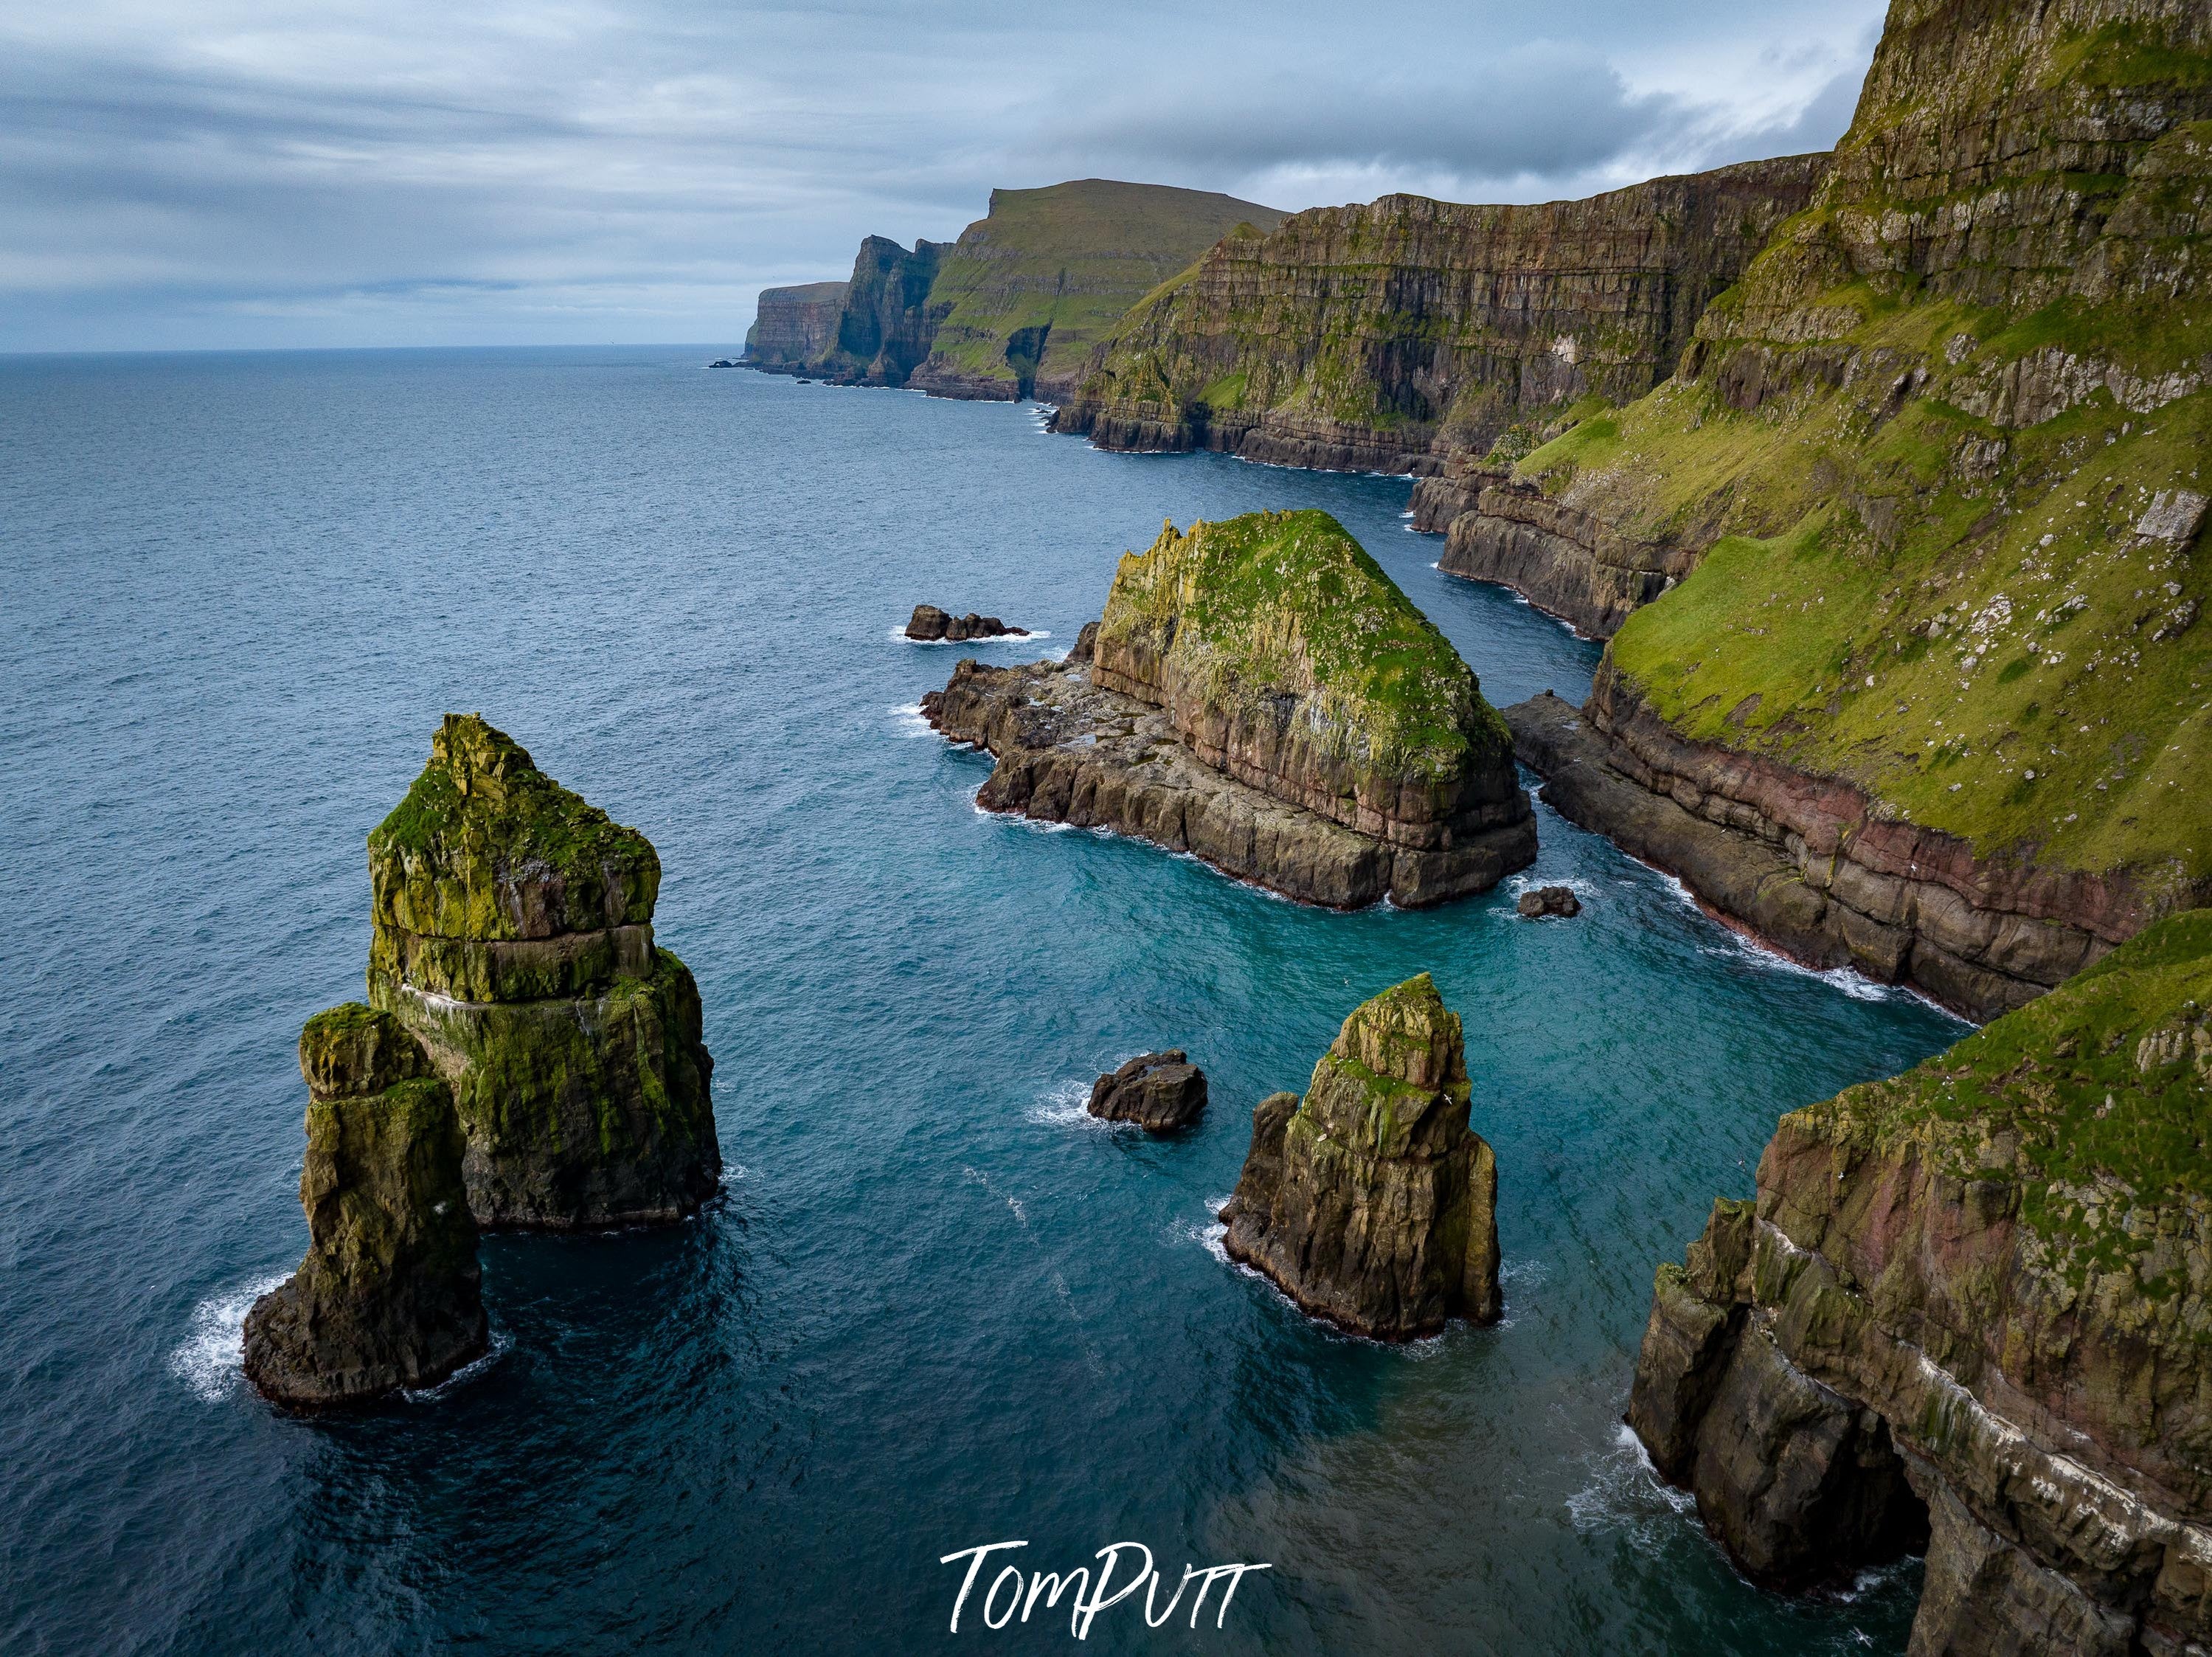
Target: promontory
[1259,694]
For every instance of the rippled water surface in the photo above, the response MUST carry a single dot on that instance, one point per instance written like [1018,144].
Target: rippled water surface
[936,1306]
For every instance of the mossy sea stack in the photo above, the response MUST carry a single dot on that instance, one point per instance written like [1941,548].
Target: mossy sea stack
[387,1294]
[1969,1307]
[513,934]
[1370,1201]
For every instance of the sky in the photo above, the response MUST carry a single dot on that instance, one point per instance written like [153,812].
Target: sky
[217,174]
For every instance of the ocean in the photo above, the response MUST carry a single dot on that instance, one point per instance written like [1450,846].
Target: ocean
[936,1306]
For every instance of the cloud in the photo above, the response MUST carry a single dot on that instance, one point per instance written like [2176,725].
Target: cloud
[401,172]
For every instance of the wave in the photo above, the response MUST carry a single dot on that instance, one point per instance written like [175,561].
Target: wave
[501,1344]
[907,715]
[1017,636]
[210,1360]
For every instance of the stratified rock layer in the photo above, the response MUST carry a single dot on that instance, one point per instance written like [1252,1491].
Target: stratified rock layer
[1371,1202]
[387,1294]
[513,934]
[1158,1092]
[1259,694]
[794,325]
[1357,338]
[1973,1305]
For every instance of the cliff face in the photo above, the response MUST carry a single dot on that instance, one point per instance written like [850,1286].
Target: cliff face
[1371,1202]
[1260,694]
[1968,1311]
[1354,338]
[1926,499]
[1014,307]
[387,1295]
[795,325]
[514,935]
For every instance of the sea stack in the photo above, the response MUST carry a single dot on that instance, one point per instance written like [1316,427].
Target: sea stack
[1158,1092]
[513,934]
[1968,1311]
[387,1295]
[1370,1201]
[1259,694]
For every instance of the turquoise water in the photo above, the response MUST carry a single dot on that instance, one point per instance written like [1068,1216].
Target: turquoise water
[936,1306]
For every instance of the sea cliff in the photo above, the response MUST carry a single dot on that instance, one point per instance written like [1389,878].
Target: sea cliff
[1360,338]
[1919,519]
[1260,694]
[793,326]
[1968,1311]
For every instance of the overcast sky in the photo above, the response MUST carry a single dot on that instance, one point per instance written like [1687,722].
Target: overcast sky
[211,173]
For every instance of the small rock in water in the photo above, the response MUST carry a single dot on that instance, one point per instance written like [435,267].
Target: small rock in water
[929,625]
[1549,900]
[1158,1092]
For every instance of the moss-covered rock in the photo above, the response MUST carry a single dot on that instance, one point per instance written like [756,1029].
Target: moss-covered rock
[514,935]
[1993,1276]
[387,1294]
[1371,1202]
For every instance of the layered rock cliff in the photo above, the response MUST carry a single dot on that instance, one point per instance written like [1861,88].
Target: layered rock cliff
[1358,337]
[1260,694]
[1968,1311]
[795,326]
[1014,307]
[1369,1201]
[387,1295]
[514,935]
[1926,498]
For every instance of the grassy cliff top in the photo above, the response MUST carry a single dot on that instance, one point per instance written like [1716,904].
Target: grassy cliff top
[1377,1087]
[807,292]
[2098,1097]
[351,1050]
[487,846]
[1288,602]
[1073,257]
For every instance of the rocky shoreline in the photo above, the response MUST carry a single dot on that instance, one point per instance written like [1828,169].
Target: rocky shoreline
[1804,863]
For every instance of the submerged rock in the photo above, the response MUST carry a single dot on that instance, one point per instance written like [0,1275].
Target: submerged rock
[1370,1201]
[1968,1312]
[930,625]
[1158,1092]
[387,1294]
[1543,900]
[1260,694]
[513,934]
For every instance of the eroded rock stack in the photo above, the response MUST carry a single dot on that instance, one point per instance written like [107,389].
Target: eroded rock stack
[1260,694]
[1970,1305]
[931,625]
[387,1294]
[1370,1201]
[513,934]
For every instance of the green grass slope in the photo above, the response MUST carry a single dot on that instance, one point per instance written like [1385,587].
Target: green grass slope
[1948,445]
[1070,259]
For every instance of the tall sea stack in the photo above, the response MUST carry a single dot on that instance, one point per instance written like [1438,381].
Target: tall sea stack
[1971,1309]
[387,1295]
[1370,1201]
[513,934]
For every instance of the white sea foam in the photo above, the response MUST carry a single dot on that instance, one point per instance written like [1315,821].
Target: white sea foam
[1066,1105]
[906,717]
[501,1344]
[1625,1493]
[211,1358]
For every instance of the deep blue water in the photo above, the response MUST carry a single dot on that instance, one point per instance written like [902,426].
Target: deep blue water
[936,1306]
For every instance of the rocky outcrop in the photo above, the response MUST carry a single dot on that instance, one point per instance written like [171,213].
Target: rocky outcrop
[795,326]
[1357,339]
[514,935]
[1540,901]
[1259,693]
[931,625]
[1813,866]
[387,1294]
[1158,1092]
[1369,1201]
[1968,1311]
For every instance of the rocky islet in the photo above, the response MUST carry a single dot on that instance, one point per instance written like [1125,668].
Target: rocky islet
[931,625]
[1259,693]
[1158,1092]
